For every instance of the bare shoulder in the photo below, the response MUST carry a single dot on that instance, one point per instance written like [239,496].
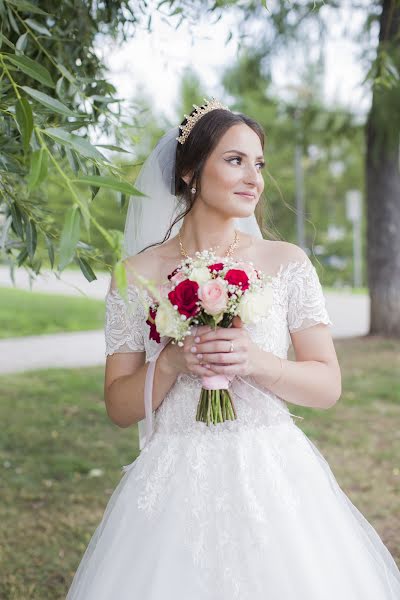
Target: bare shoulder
[275,253]
[144,264]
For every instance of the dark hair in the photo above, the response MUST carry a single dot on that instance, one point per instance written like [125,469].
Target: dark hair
[192,155]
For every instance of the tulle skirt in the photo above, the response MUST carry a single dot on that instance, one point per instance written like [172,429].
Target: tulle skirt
[249,514]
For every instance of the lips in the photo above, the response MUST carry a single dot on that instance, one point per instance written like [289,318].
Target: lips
[246,194]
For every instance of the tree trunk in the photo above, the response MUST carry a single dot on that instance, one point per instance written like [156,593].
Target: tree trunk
[383,188]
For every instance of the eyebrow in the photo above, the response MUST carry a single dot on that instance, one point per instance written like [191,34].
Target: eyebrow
[242,153]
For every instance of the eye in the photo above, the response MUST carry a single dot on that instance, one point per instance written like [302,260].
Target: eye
[261,164]
[235,158]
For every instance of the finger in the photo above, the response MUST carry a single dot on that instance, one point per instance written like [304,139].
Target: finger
[225,369]
[237,322]
[221,333]
[201,370]
[218,346]
[223,358]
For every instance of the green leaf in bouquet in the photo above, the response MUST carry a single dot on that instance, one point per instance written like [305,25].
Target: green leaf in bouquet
[33,69]
[24,116]
[69,236]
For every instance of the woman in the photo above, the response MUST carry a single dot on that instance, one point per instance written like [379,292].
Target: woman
[247,508]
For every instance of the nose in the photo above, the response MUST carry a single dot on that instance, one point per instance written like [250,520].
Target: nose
[251,175]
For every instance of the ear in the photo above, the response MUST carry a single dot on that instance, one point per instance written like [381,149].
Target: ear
[188,177]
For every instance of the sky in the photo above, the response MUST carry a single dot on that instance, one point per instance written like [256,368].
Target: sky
[154,62]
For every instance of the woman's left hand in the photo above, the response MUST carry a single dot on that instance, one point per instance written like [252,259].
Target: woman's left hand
[214,349]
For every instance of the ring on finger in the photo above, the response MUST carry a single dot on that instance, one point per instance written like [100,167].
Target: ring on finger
[231,347]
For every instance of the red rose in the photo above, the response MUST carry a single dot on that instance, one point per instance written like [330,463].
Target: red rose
[216,267]
[237,277]
[185,297]
[153,335]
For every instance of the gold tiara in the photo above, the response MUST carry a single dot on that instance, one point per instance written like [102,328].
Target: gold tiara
[200,111]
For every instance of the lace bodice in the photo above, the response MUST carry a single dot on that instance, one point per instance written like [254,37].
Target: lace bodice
[298,303]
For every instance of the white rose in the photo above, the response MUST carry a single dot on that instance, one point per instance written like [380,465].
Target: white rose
[254,305]
[168,321]
[200,275]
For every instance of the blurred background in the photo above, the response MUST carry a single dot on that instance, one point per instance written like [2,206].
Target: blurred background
[85,92]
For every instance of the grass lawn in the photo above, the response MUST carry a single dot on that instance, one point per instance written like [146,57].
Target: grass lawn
[55,432]
[33,313]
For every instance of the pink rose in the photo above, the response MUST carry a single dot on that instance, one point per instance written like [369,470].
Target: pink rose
[213,296]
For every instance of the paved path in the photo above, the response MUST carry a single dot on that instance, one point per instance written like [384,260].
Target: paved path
[349,313]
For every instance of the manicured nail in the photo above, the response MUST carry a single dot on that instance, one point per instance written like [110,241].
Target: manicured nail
[193,349]
[197,340]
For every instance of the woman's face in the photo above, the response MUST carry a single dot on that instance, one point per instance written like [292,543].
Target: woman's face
[231,181]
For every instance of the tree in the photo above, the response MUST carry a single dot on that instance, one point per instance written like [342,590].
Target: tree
[383,178]
[290,23]
[53,94]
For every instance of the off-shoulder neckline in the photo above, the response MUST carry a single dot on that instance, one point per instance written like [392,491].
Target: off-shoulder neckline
[283,267]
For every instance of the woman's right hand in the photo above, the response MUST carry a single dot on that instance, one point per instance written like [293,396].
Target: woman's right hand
[181,359]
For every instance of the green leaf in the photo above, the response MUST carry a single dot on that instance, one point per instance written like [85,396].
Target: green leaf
[31,237]
[50,250]
[13,22]
[37,27]
[121,280]
[50,102]
[21,42]
[38,170]
[28,7]
[78,143]
[65,73]
[33,69]
[17,220]
[110,183]
[112,147]
[4,40]
[86,269]
[24,116]
[69,236]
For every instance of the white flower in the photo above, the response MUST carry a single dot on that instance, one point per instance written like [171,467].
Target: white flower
[168,321]
[200,275]
[254,305]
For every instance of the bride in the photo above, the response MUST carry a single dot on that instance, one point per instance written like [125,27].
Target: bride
[248,508]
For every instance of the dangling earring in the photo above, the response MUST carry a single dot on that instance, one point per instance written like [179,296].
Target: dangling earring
[193,190]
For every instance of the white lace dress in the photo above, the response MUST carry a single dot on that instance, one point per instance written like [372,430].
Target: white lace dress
[247,509]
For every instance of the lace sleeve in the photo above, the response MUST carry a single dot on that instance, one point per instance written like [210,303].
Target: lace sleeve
[306,302]
[124,323]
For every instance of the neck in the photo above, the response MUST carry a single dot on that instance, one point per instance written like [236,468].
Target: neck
[202,234]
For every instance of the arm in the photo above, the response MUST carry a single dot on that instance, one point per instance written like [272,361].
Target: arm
[124,381]
[313,379]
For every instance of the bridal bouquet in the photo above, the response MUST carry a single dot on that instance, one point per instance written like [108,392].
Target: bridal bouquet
[202,291]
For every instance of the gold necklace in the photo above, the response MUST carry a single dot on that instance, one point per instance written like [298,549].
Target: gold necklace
[227,254]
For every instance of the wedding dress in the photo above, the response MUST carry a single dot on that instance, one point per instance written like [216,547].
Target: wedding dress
[247,509]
